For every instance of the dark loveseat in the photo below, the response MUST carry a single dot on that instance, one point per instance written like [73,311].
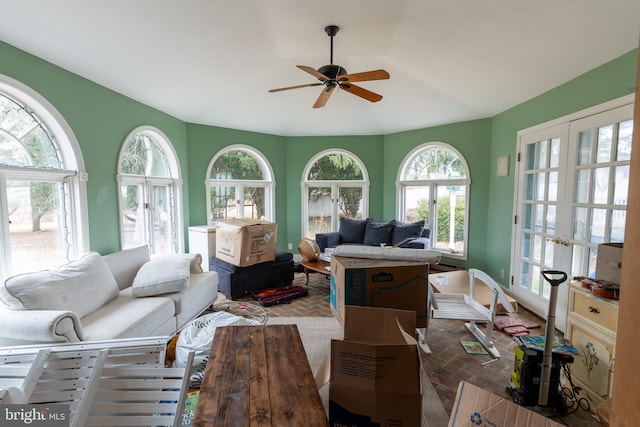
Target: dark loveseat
[373,233]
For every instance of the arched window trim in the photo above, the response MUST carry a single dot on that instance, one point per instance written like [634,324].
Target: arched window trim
[466,181]
[75,172]
[305,183]
[268,182]
[174,180]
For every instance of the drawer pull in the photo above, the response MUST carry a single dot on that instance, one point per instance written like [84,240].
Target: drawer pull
[593,310]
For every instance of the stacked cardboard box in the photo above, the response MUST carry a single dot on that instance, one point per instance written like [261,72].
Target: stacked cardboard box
[244,242]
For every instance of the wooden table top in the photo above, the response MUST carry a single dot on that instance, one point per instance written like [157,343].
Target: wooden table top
[259,376]
[317,265]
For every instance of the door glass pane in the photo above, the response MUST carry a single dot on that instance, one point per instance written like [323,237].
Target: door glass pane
[35,225]
[223,203]
[552,192]
[601,186]
[618,220]
[531,156]
[585,147]
[539,217]
[319,210]
[580,224]
[582,185]
[554,154]
[605,134]
[416,203]
[551,219]
[528,209]
[132,216]
[621,185]
[598,222]
[542,154]
[625,132]
[548,253]
[537,248]
[526,243]
[254,202]
[524,275]
[161,220]
[541,179]
[350,202]
[528,187]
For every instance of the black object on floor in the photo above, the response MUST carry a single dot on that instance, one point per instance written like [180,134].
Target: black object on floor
[282,295]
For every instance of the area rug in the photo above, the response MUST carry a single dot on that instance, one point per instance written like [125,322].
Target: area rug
[316,334]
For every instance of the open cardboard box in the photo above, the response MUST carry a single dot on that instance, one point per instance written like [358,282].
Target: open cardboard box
[477,407]
[374,372]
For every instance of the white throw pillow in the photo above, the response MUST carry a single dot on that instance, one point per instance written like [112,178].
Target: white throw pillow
[81,286]
[162,276]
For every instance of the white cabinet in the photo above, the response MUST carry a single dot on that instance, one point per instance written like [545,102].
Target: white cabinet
[202,240]
[591,327]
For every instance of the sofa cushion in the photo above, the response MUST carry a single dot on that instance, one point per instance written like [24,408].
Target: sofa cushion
[161,276]
[125,264]
[376,233]
[81,286]
[352,230]
[406,230]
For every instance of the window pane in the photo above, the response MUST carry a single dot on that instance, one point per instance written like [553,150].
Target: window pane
[580,224]
[540,186]
[223,203]
[625,133]
[526,243]
[554,155]
[416,205]
[254,202]
[531,156]
[34,229]
[335,167]
[143,156]
[133,217]
[618,221]
[582,185]
[237,164]
[350,202]
[551,219]
[585,148]
[435,163]
[449,228]
[528,187]
[601,186]
[528,216]
[621,185]
[598,222]
[605,134]
[163,221]
[319,210]
[552,192]
[538,217]
[542,154]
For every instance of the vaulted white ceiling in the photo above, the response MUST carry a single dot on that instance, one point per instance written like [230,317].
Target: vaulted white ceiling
[213,62]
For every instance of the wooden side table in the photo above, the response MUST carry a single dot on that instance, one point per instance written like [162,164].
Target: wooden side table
[259,375]
[318,266]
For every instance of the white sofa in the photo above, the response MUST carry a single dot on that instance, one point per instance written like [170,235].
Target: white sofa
[121,295]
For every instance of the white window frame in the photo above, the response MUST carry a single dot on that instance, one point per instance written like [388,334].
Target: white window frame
[335,185]
[433,184]
[74,175]
[148,182]
[268,183]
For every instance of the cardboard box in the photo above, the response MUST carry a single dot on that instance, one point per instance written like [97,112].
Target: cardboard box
[379,283]
[477,407]
[609,262]
[244,242]
[375,370]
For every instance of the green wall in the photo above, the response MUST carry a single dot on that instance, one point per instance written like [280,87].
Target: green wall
[101,119]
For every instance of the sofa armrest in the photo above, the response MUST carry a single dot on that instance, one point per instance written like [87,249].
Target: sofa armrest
[328,240]
[39,326]
[419,243]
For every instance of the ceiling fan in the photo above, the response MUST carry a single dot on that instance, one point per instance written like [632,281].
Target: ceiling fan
[332,76]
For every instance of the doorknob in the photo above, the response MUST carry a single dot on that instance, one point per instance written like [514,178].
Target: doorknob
[559,241]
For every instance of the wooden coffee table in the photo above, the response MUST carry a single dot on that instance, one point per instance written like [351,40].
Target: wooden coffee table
[318,266]
[259,375]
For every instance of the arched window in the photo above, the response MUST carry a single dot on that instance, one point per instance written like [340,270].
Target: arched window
[43,204]
[150,193]
[240,185]
[335,185]
[433,184]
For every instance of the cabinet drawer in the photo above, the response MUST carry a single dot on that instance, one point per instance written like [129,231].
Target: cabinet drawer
[596,311]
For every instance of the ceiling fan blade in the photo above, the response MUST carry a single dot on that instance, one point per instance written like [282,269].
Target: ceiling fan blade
[367,75]
[361,92]
[324,96]
[295,87]
[313,72]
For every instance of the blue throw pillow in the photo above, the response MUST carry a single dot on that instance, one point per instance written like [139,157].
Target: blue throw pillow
[378,232]
[352,230]
[405,230]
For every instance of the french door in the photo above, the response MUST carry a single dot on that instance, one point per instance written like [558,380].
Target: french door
[571,195]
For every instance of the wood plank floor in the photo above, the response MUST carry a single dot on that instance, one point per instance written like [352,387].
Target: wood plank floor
[449,363]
